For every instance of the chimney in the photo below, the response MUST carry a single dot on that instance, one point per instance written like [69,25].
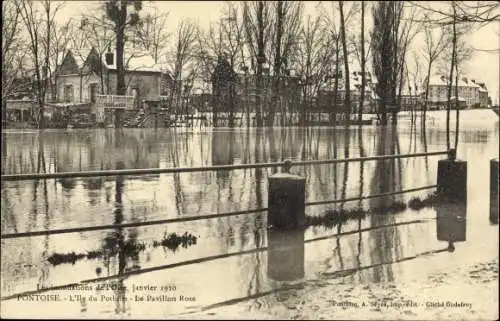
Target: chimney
[473,81]
[109,57]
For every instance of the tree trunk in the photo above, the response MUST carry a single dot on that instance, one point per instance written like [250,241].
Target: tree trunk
[333,121]
[363,64]
[457,111]
[260,61]
[448,106]
[427,85]
[120,44]
[347,98]
[277,64]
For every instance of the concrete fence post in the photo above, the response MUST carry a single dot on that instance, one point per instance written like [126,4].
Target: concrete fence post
[286,200]
[452,179]
[494,191]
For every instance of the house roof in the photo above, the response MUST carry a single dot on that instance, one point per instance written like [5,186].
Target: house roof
[133,60]
[79,55]
[443,81]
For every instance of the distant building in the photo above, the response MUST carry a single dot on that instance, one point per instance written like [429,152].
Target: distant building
[472,94]
[287,96]
[325,96]
[483,95]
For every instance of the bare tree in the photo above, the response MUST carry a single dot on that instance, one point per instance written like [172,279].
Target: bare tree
[455,59]
[257,26]
[468,12]
[394,29]
[10,49]
[58,44]
[93,33]
[150,33]
[347,98]
[406,32]
[207,46]
[334,37]
[183,60]
[38,18]
[362,57]
[383,55]
[284,35]
[450,79]
[413,76]
[435,42]
[312,60]
[117,12]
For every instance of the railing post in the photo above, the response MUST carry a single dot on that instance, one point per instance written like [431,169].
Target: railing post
[452,179]
[286,200]
[494,191]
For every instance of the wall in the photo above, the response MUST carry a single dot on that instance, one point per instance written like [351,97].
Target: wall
[19,104]
[439,93]
[75,80]
[148,83]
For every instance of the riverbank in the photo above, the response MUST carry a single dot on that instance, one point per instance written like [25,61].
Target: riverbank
[462,293]
[433,116]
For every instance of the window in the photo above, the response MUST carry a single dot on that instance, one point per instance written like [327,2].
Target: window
[93,92]
[68,93]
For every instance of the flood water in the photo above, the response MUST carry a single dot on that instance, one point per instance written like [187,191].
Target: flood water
[235,260]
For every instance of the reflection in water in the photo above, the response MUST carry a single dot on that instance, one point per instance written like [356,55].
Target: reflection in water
[361,187]
[451,223]
[285,255]
[84,202]
[386,242]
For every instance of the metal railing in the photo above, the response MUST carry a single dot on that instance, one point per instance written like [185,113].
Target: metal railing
[286,165]
[207,259]
[193,218]
[115,101]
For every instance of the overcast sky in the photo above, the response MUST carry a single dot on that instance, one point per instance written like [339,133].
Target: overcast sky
[484,65]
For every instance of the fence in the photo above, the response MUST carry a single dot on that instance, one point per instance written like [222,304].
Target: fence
[285,165]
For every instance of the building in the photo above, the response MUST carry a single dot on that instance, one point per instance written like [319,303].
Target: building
[88,80]
[483,96]
[85,74]
[410,101]
[472,94]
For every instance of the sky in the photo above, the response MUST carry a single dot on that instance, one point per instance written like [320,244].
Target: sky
[484,66]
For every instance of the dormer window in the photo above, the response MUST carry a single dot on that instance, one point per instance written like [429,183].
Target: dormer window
[109,57]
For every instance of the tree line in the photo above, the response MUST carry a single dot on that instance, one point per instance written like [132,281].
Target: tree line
[258,38]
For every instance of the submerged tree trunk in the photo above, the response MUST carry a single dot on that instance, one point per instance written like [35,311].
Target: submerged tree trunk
[277,64]
[260,61]
[347,98]
[450,79]
[336,85]
[457,110]
[363,64]
[120,47]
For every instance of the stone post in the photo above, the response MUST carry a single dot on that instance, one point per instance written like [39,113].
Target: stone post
[286,200]
[452,179]
[494,191]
